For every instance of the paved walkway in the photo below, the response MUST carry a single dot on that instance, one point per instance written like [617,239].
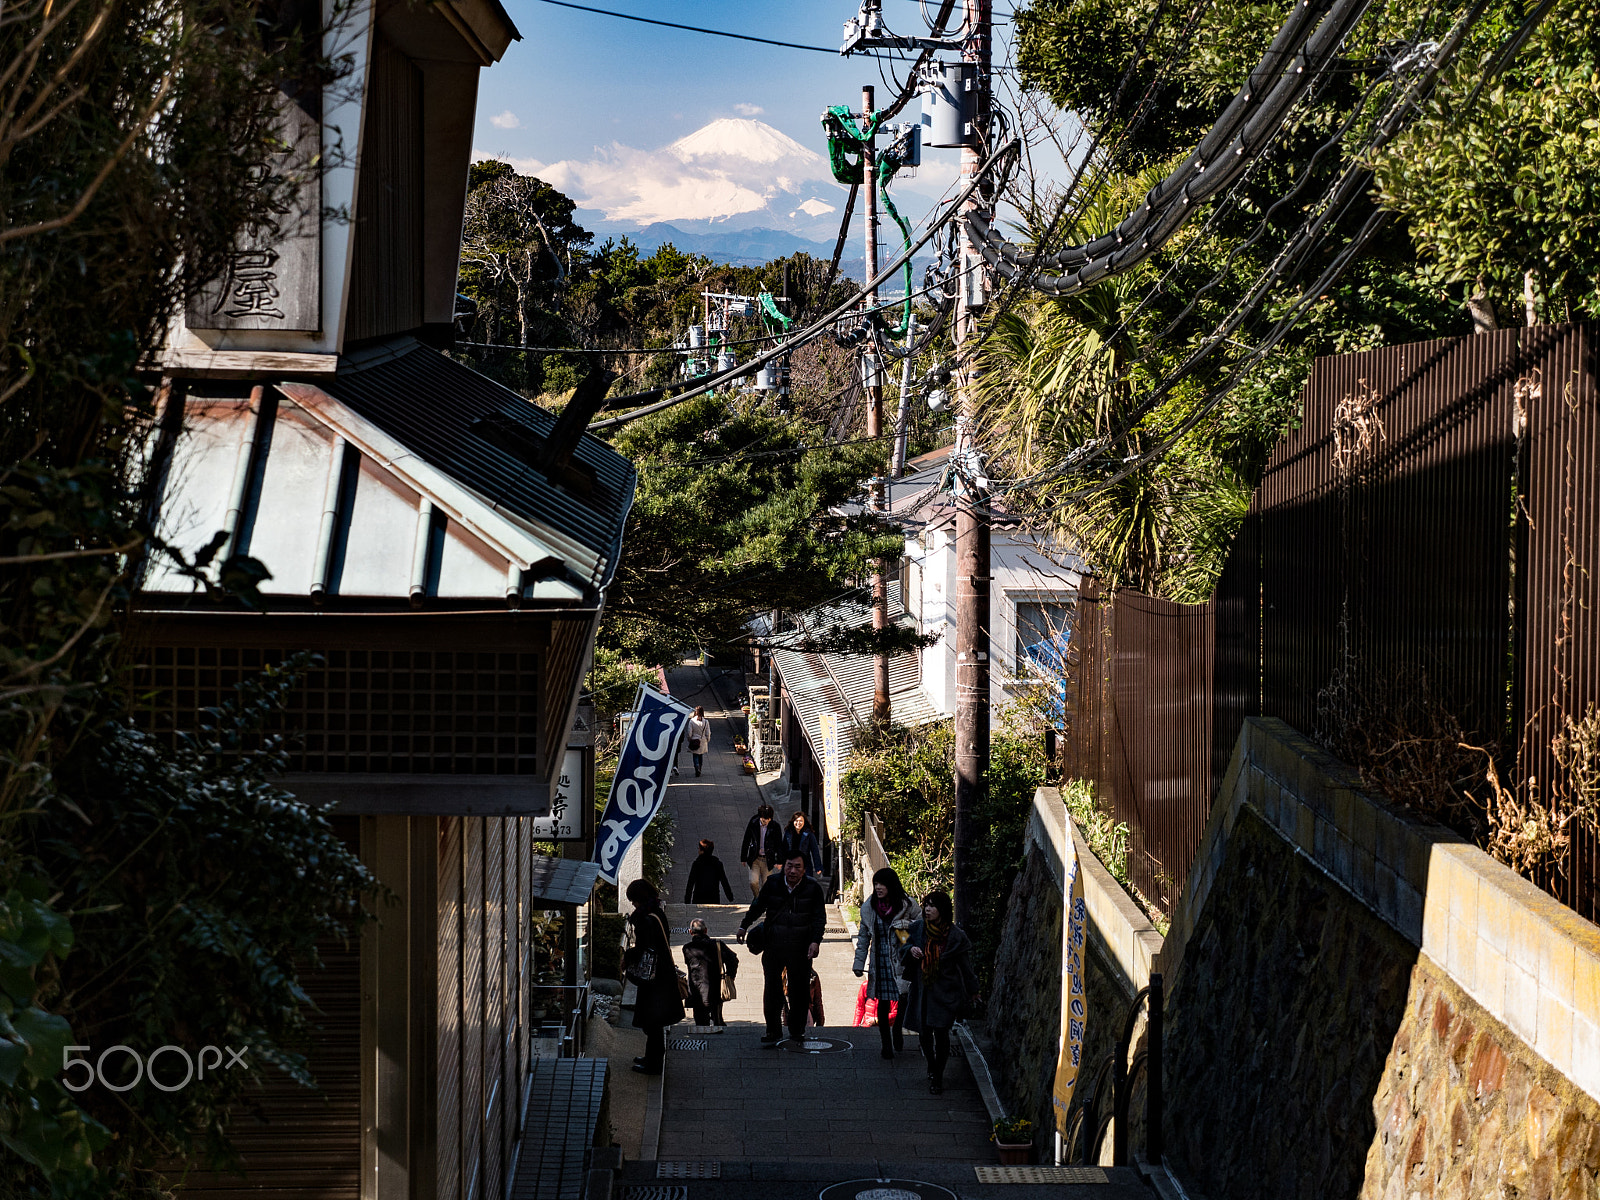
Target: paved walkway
[729,1099]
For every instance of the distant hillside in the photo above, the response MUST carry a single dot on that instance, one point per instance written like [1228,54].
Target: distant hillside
[740,247]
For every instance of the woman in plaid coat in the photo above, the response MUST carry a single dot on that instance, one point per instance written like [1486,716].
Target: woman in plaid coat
[886,919]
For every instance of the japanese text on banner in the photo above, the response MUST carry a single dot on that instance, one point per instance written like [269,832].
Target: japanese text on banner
[643,770]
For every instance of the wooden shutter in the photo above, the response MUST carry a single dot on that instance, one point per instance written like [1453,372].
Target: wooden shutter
[494,1006]
[472,1074]
[449,1129]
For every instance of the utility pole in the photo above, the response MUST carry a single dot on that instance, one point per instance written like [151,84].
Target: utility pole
[972,510]
[873,379]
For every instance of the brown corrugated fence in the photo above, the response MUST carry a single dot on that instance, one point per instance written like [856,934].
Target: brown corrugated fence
[1426,536]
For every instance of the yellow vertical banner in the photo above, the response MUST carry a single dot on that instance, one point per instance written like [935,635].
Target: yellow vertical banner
[831,807]
[1073,1009]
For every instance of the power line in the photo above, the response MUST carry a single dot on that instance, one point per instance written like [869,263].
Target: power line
[743,37]
[822,324]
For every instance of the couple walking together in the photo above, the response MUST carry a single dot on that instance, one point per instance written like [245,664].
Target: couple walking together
[921,965]
[767,844]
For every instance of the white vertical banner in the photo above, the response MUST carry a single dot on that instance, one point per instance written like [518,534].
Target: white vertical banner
[832,809]
[1073,1007]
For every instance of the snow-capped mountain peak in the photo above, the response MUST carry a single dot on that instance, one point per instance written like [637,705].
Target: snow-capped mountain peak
[747,141]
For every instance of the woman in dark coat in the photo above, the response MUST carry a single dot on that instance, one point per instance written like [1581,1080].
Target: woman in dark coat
[706,874]
[938,962]
[707,960]
[798,839]
[886,919]
[658,1004]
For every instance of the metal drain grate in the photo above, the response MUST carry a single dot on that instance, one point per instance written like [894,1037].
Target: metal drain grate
[649,1191]
[701,1169]
[688,1043]
[1041,1175]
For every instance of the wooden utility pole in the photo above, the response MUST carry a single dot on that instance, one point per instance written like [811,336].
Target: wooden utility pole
[873,372]
[972,511]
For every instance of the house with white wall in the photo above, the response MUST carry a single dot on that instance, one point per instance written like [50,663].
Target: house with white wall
[1033,591]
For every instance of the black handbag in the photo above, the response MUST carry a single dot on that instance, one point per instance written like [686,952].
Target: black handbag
[756,939]
[643,967]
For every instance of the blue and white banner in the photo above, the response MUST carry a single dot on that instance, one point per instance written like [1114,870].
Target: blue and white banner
[641,779]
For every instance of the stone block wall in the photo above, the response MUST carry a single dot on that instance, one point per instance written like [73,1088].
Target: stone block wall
[1359,1003]
[1465,1109]
[1024,1013]
[1279,1020]
[1362,1004]
[1024,1023]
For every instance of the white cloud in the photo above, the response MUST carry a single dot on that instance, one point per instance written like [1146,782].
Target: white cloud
[748,110]
[721,170]
[506,120]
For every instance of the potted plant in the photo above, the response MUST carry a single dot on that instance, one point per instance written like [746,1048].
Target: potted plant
[1013,1140]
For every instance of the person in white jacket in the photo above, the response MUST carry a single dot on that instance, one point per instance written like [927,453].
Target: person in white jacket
[699,736]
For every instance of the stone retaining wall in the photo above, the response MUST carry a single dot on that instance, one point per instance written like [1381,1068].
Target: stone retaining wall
[1024,1025]
[1360,1004]
[1363,1004]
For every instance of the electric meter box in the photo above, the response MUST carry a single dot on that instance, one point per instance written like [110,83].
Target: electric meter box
[911,131]
[949,106]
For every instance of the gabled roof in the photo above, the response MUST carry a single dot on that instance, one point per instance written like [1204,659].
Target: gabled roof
[405,477]
[843,684]
[487,436]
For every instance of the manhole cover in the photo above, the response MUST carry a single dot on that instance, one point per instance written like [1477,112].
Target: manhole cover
[1041,1175]
[688,1043]
[688,1170]
[654,1192]
[814,1045]
[886,1189]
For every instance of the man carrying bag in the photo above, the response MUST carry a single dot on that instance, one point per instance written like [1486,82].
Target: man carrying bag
[796,918]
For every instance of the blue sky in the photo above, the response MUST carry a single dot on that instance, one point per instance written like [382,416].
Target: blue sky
[584,88]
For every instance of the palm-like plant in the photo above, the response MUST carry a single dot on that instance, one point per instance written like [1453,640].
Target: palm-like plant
[1059,373]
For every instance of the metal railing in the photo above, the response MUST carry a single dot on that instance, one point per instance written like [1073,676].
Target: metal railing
[1089,1127]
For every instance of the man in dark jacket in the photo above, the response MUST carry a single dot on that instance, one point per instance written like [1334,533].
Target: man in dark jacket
[705,876]
[762,849]
[796,920]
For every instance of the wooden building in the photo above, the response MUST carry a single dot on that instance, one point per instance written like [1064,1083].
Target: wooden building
[444,551]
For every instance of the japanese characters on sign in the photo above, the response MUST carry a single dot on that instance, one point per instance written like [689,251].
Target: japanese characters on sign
[831,770]
[250,288]
[1073,1008]
[274,276]
[572,800]
[641,779]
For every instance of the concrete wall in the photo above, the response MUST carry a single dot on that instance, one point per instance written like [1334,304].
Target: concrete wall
[1359,1002]
[1019,571]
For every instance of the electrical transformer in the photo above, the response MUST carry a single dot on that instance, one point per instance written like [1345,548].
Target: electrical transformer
[949,106]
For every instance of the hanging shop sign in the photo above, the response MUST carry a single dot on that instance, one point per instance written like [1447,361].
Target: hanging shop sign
[572,805]
[643,770]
